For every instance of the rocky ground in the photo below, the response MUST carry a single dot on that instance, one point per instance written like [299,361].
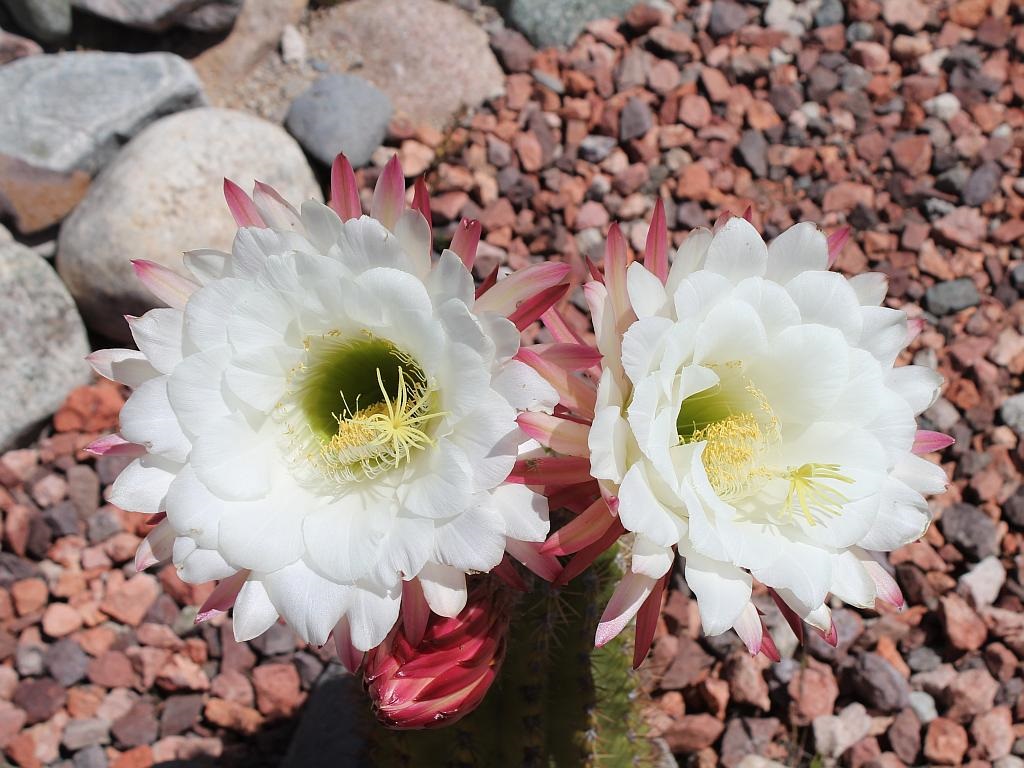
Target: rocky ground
[901,118]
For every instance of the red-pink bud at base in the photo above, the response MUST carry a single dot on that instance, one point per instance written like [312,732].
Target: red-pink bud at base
[446,676]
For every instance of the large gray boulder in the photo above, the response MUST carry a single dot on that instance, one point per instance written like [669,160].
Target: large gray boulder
[159,15]
[42,342]
[429,57]
[340,113]
[46,20]
[557,22]
[72,111]
[163,195]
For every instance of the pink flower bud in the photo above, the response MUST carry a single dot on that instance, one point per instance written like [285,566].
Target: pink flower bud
[446,676]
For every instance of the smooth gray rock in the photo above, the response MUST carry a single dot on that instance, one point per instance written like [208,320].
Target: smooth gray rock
[1012,411]
[158,15]
[42,343]
[340,113]
[213,17]
[552,23]
[162,196]
[331,726]
[972,531]
[951,296]
[45,20]
[72,111]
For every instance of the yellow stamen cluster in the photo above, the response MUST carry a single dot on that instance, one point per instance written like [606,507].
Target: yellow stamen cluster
[812,496]
[380,437]
[730,454]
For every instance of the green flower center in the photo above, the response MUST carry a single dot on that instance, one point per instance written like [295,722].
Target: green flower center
[368,404]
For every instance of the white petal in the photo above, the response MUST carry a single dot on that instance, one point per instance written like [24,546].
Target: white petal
[343,541]
[259,379]
[903,517]
[208,311]
[444,589]
[642,344]
[826,298]
[142,485]
[253,612]
[309,603]
[884,333]
[689,257]
[195,392]
[449,279]
[473,540]
[413,234]
[916,384]
[698,293]
[321,223]
[649,558]
[801,247]
[722,591]
[771,302]
[803,372]
[524,511]
[443,483]
[192,509]
[158,334]
[626,600]
[262,536]
[372,612]
[607,441]
[207,264]
[646,293]
[737,251]
[203,565]
[870,287]
[802,568]
[231,460]
[920,474]
[731,331]
[127,366]
[641,511]
[148,419]
[850,582]
[524,388]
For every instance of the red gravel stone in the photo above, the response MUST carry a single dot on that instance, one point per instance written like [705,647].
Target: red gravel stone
[945,742]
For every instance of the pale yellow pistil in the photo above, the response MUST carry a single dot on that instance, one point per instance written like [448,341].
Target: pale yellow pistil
[383,435]
[811,495]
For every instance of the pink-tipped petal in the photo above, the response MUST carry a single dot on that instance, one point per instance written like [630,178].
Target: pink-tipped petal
[415,611]
[528,553]
[750,629]
[156,547]
[560,330]
[114,445]
[505,295]
[421,203]
[616,259]
[915,327]
[533,308]
[223,596]
[575,393]
[831,635]
[768,647]
[507,572]
[886,588]
[156,518]
[466,241]
[275,210]
[656,251]
[582,531]
[836,241]
[242,208]
[350,656]
[629,595]
[748,214]
[487,283]
[571,357]
[389,194]
[583,559]
[344,190]
[791,616]
[927,441]
[720,222]
[647,622]
[166,284]
[560,435]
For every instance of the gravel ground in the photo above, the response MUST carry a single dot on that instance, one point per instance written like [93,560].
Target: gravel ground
[901,118]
